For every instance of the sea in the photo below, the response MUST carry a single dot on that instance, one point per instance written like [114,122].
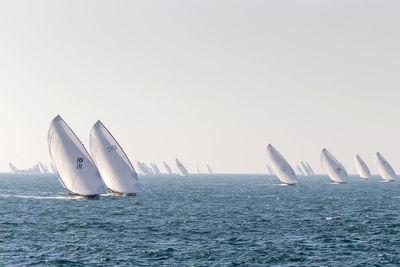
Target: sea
[202,220]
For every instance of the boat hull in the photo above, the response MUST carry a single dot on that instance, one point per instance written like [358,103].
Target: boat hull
[113,193]
[72,195]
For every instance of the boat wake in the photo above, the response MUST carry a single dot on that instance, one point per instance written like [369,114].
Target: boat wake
[273,185]
[36,197]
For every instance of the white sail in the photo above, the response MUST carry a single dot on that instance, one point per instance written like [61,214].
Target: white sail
[53,168]
[149,169]
[182,170]
[362,168]
[300,170]
[43,168]
[198,170]
[280,166]
[269,170]
[209,169]
[146,168]
[385,170]
[306,171]
[167,168]
[76,170]
[156,170]
[310,169]
[114,166]
[333,167]
[142,169]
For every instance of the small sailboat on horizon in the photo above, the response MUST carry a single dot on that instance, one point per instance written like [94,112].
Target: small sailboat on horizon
[182,170]
[385,169]
[362,168]
[306,170]
[141,166]
[209,169]
[155,168]
[335,170]
[75,168]
[300,171]
[310,169]
[280,167]
[167,168]
[270,172]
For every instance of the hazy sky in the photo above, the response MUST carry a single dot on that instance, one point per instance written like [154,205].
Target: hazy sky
[205,81]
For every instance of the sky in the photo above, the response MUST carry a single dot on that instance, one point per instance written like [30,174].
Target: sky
[205,81]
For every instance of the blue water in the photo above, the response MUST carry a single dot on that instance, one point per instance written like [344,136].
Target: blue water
[220,220]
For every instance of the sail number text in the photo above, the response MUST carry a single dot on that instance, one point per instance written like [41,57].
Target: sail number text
[112,148]
[79,163]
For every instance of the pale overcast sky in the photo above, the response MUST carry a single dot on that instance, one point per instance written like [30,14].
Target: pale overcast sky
[205,81]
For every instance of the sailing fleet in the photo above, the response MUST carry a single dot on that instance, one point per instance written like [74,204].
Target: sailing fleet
[278,166]
[107,168]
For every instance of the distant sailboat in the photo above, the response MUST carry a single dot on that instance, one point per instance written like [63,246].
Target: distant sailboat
[182,170]
[269,170]
[385,170]
[149,171]
[167,168]
[198,170]
[310,169]
[333,167]
[306,171]
[156,170]
[43,168]
[300,170]
[209,169]
[53,168]
[362,168]
[280,166]
[114,166]
[142,168]
[76,170]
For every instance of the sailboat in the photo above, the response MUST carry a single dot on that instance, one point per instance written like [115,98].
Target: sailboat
[362,168]
[270,172]
[156,170]
[167,168]
[306,170]
[142,168]
[300,170]
[53,168]
[209,169]
[385,170]
[75,168]
[149,169]
[280,166]
[182,170]
[333,167]
[310,169]
[114,166]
